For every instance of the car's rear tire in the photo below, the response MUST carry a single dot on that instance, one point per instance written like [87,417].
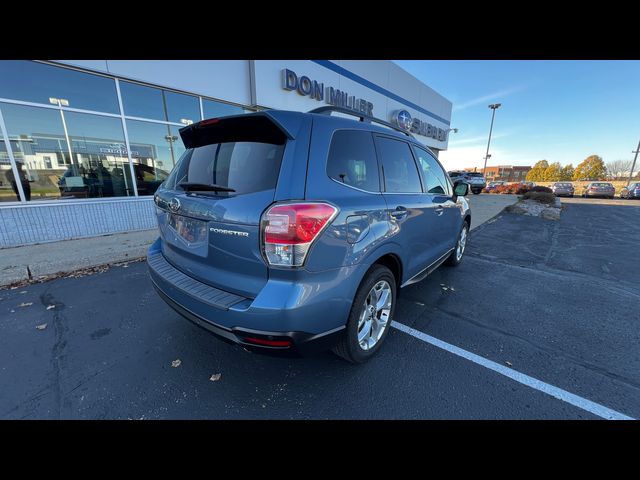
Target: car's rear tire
[370,317]
[461,243]
[476,192]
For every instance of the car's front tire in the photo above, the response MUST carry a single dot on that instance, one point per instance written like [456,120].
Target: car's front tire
[461,243]
[370,317]
[476,192]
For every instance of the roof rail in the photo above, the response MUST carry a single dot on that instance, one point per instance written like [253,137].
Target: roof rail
[363,118]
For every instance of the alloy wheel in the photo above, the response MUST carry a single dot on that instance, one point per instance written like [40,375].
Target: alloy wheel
[374,317]
[462,242]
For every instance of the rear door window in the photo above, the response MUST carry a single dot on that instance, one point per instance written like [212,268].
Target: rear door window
[399,168]
[352,160]
[433,176]
[246,167]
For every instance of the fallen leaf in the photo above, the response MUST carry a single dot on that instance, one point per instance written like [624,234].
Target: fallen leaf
[445,288]
[27,304]
[452,289]
[215,377]
[41,327]
[176,363]
[509,363]
[50,307]
[13,311]
[24,291]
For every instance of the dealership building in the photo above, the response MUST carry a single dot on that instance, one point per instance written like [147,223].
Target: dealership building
[506,173]
[84,144]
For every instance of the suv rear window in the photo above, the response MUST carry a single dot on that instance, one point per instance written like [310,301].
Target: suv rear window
[246,167]
[474,174]
[352,160]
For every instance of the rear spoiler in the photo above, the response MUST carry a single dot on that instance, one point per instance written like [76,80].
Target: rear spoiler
[264,127]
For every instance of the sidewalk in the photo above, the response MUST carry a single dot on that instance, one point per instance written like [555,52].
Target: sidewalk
[32,261]
[485,206]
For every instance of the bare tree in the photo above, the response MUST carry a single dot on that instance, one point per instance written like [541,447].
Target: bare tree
[618,168]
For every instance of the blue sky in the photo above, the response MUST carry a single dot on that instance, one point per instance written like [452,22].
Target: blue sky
[561,111]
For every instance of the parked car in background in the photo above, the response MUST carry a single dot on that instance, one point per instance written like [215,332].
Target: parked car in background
[529,184]
[293,232]
[599,189]
[631,191]
[475,180]
[563,189]
[493,185]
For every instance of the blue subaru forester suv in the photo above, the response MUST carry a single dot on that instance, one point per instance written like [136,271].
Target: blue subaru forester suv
[293,232]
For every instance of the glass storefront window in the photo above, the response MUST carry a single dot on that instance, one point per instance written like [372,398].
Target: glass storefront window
[182,107]
[99,166]
[155,148]
[100,158]
[34,133]
[8,186]
[157,104]
[36,82]
[212,109]
[141,101]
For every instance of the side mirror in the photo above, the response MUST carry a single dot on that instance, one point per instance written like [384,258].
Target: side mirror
[460,189]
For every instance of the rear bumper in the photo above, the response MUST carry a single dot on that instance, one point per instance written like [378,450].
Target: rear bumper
[564,193]
[309,315]
[302,343]
[600,194]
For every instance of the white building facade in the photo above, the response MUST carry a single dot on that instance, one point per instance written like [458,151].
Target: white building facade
[84,144]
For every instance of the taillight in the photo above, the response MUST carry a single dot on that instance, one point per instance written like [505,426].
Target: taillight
[268,343]
[209,121]
[289,229]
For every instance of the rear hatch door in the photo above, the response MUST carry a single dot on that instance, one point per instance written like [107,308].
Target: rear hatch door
[209,208]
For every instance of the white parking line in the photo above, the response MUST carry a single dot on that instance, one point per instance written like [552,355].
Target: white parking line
[560,394]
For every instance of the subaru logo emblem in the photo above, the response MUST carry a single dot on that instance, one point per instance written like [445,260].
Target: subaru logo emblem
[174,205]
[403,119]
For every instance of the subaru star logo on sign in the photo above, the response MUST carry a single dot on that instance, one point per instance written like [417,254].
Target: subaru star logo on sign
[403,119]
[174,205]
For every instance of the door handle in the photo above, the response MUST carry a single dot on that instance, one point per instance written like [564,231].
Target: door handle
[399,212]
[439,210]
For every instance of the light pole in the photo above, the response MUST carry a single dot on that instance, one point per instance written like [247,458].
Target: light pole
[634,163]
[60,102]
[494,107]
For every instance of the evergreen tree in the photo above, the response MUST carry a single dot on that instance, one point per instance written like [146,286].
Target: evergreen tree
[536,174]
[591,168]
[553,172]
[566,173]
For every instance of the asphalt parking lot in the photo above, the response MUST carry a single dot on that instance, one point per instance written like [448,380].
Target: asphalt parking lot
[556,302]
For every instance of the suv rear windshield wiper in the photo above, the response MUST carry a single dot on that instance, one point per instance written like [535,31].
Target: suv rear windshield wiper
[204,187]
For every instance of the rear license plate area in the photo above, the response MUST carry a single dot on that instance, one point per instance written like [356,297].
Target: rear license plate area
[187,234]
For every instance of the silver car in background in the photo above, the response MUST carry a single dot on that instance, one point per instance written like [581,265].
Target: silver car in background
[563,189]
[599,189]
